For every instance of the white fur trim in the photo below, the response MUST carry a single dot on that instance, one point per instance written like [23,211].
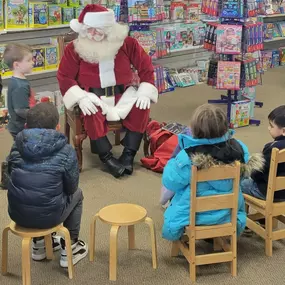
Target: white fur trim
[112,115]
[72,96]
[148,90]
[109,101]
[126,102]
[99,19]
[107,74]
[75,25]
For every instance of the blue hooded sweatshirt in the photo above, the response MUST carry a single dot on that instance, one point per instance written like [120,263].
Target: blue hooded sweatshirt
[177,178]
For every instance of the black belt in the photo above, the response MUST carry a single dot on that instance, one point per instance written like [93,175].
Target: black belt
[108,91]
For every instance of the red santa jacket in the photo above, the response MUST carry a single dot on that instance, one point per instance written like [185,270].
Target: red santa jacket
[75,71]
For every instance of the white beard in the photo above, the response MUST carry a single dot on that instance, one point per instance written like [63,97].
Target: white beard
[97,51]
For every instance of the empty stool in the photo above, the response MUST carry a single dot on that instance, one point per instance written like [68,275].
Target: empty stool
[27,235]
[119,215]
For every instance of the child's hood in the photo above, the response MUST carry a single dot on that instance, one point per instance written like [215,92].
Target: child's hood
[251,163]
[37,144]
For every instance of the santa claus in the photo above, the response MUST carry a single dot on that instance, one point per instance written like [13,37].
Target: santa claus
[95,74]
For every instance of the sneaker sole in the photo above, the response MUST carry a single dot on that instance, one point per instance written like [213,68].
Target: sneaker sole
[75,260]
[40,257]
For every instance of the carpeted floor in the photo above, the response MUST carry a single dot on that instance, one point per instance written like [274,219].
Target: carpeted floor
[134,267]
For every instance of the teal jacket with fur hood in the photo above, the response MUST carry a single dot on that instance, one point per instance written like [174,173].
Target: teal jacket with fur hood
[204,153]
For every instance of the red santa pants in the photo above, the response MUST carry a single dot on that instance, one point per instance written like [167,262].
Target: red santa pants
[96,125]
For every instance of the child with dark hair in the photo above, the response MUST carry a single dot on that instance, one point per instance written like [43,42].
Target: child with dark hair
[210,144]
[256,186]
[43,188]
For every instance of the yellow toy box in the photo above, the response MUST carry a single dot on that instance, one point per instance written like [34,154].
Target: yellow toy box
[5,71]
[2,22]
[51,57]
[16,14]
[38,53]
[38,14]
[54,15]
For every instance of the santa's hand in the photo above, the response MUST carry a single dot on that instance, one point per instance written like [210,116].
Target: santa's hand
[143,103]
[87,106]
[98,102]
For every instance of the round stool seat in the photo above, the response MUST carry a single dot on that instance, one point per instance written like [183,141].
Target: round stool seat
[25,232]
[123,214]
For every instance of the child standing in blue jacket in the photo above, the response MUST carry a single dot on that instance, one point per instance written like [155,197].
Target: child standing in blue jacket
[210,144]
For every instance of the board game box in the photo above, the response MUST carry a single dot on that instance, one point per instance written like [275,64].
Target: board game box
[17,14]
[54,15]
[38,14]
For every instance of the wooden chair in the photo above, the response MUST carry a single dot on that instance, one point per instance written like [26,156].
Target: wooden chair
[27,235]
[207,203]
[271,211]
[119,215]
[74,122]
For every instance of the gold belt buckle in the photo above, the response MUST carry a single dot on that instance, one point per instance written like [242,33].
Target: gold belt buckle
[113,91]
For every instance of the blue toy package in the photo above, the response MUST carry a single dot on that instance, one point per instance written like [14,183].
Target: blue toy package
[275,58]
[232,9]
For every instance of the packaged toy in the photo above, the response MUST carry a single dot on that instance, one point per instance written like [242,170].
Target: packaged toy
[62,3]
[38,58]
[77,11]
[282,56]
[240,114]
[228,75]
[17,14]
[38,14]
[54,15]
[228,39]
[5,71]
[73,3]
[2,22]
[51,57]
[67,14]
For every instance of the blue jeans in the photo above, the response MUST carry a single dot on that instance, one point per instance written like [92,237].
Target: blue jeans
[249,187]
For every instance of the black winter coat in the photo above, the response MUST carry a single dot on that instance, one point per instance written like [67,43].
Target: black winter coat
[261,177]
[43,173]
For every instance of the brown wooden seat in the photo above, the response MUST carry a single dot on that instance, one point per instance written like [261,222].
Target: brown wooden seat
[74,122]
[267,209]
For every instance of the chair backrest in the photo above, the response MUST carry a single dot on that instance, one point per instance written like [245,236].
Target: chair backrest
[275,183]
[216,202]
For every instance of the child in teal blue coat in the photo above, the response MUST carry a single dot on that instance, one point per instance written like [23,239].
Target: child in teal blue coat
[210,144]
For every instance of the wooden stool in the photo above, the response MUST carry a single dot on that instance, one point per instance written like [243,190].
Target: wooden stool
[119,215]
[27,235]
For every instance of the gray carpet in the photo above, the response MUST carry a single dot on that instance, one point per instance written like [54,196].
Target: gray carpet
[134,267]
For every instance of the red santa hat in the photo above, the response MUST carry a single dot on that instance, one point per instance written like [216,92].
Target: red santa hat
[95,16]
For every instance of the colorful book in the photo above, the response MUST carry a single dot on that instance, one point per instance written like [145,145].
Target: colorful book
[228,39]
[17,14]
[38,14]
[240,114]
[228,75]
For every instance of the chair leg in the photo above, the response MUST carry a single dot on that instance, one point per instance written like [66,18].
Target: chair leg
[49,248]
[5,250]
[68,251]
[192,255]
[77,141]
[234,253]
[131,235]
[118,137]
[92,238]
[113,253]
[150,223]
[268,238]
[26,261]
[174,249]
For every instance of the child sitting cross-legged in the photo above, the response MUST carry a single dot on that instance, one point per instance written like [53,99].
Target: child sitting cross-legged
[43,188]
[210,144]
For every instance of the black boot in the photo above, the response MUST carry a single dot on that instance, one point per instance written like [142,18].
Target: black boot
[102,147]
[131,142]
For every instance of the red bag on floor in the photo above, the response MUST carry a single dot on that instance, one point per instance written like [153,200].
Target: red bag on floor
[160,145]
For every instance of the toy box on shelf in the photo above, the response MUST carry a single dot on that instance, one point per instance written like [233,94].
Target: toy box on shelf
[67,14]
[240,114]
[54,15]
[38,14]
[51,57]
[5,71]
[38,53]
[17,14]
[2,22]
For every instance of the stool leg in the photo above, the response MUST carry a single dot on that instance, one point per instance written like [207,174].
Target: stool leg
[68,251]
[49,248]
[92,238]
[5,250]
[26,261]
[113,253]
[131,234]
[150,223]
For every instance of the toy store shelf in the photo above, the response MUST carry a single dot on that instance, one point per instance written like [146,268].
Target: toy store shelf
[275,40]
[44,74]
[182,52]
[30,34]
[273,16]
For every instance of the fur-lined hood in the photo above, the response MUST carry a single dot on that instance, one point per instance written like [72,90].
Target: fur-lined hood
[255,163]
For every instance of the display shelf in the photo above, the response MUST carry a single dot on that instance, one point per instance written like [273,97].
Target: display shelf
[34,74]
[275,40]
[272,16]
